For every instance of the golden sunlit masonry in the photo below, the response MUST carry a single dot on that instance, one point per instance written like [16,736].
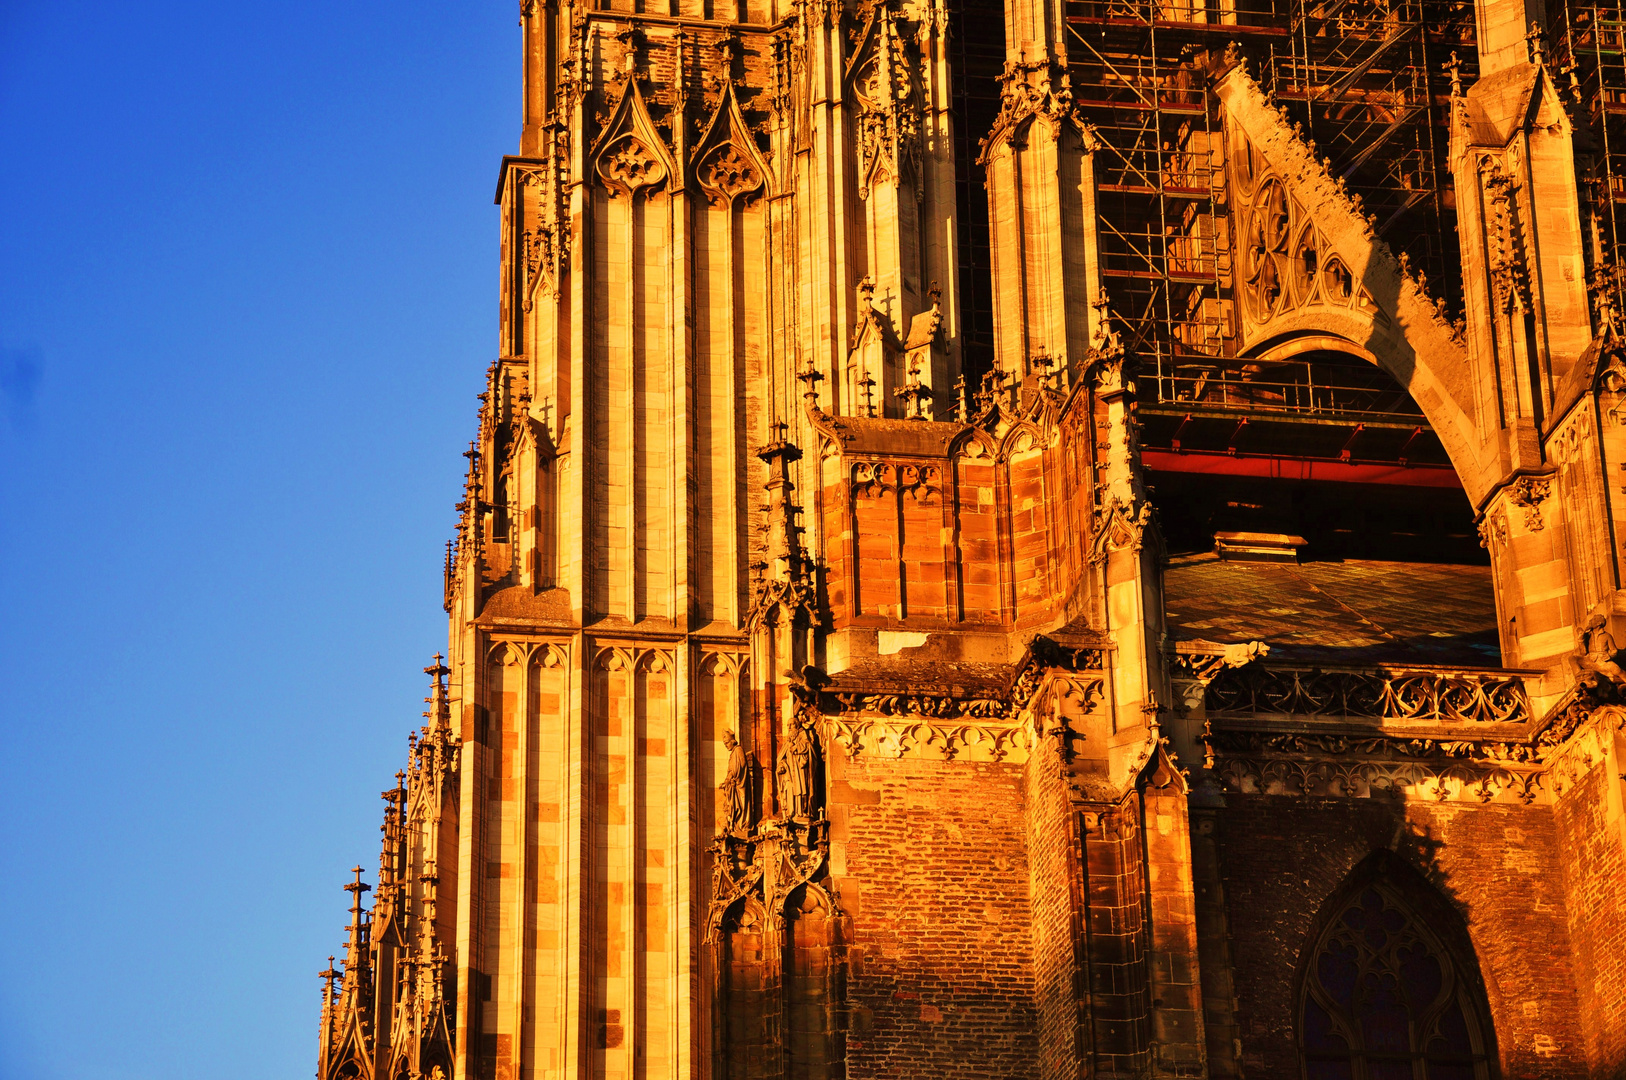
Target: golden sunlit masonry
[1045,539]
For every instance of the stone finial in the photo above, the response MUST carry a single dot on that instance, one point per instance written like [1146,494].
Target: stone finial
[1537,38]
[355,889]
[810,377]
[1453,67]
[868,385]
[1106,338]
[332,976]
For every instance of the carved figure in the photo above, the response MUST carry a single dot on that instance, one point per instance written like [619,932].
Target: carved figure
[737,786]
[1600,652]
[798,762]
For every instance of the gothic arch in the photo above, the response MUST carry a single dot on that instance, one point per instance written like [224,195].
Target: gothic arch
[727,164]
[1311,265]
[972,443]
[1360,336]
[745,993]
[1388,984]
[631,157]
[813,989]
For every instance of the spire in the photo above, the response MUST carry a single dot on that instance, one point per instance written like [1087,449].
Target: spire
[449,577]
[356,939]
[472,506]
[392,856]
[438,714]
[786,577]
[329,1022]
[1106,339]
[331,975]
[810,377]
[1537,37]
[783,547]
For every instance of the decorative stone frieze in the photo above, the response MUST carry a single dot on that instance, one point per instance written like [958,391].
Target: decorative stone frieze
[1384,694]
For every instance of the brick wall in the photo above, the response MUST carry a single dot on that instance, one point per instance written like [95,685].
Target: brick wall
[1498,866]
[930,861]
[1594,876]
[1055,885]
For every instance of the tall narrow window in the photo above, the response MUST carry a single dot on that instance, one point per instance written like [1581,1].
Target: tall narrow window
[1385,999]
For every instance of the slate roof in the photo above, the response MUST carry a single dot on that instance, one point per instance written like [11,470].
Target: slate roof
[1354,612]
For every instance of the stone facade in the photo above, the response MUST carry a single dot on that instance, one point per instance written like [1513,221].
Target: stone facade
[823,698]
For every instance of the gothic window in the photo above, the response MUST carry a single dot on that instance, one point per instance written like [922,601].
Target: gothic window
[1384,999]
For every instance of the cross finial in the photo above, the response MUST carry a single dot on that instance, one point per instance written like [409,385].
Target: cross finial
[810,377]
[437,713]
[332,976]
[1454,67]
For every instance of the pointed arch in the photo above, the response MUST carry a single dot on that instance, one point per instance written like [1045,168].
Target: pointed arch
[812,986]
[743,1040]
[972,443]
[727,165]
[1388,984]
[631,156]
[1309,263]
[1022,437]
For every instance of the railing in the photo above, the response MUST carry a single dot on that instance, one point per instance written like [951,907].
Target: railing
[1311,393]
[1449,696]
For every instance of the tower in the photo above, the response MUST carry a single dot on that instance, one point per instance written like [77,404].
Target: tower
[835,686]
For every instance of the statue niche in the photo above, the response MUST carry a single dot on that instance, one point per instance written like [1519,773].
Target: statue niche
[800,769]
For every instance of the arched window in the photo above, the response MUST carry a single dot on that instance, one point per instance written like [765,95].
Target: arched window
[1384,998]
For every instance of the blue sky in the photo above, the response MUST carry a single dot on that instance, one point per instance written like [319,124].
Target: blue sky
[248,270]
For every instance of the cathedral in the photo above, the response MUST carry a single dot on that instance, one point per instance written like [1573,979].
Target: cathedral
[1051,538]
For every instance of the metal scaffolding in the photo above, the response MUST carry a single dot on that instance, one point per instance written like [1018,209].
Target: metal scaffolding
[1587,56]
[1368,81]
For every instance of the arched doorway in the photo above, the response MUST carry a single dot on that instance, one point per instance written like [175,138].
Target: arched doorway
[1389,990]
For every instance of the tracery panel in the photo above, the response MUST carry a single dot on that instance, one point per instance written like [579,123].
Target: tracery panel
[1384,998]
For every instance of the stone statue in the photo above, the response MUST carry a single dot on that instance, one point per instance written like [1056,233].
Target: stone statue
[798,765]
[737,786]
[1601,635]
